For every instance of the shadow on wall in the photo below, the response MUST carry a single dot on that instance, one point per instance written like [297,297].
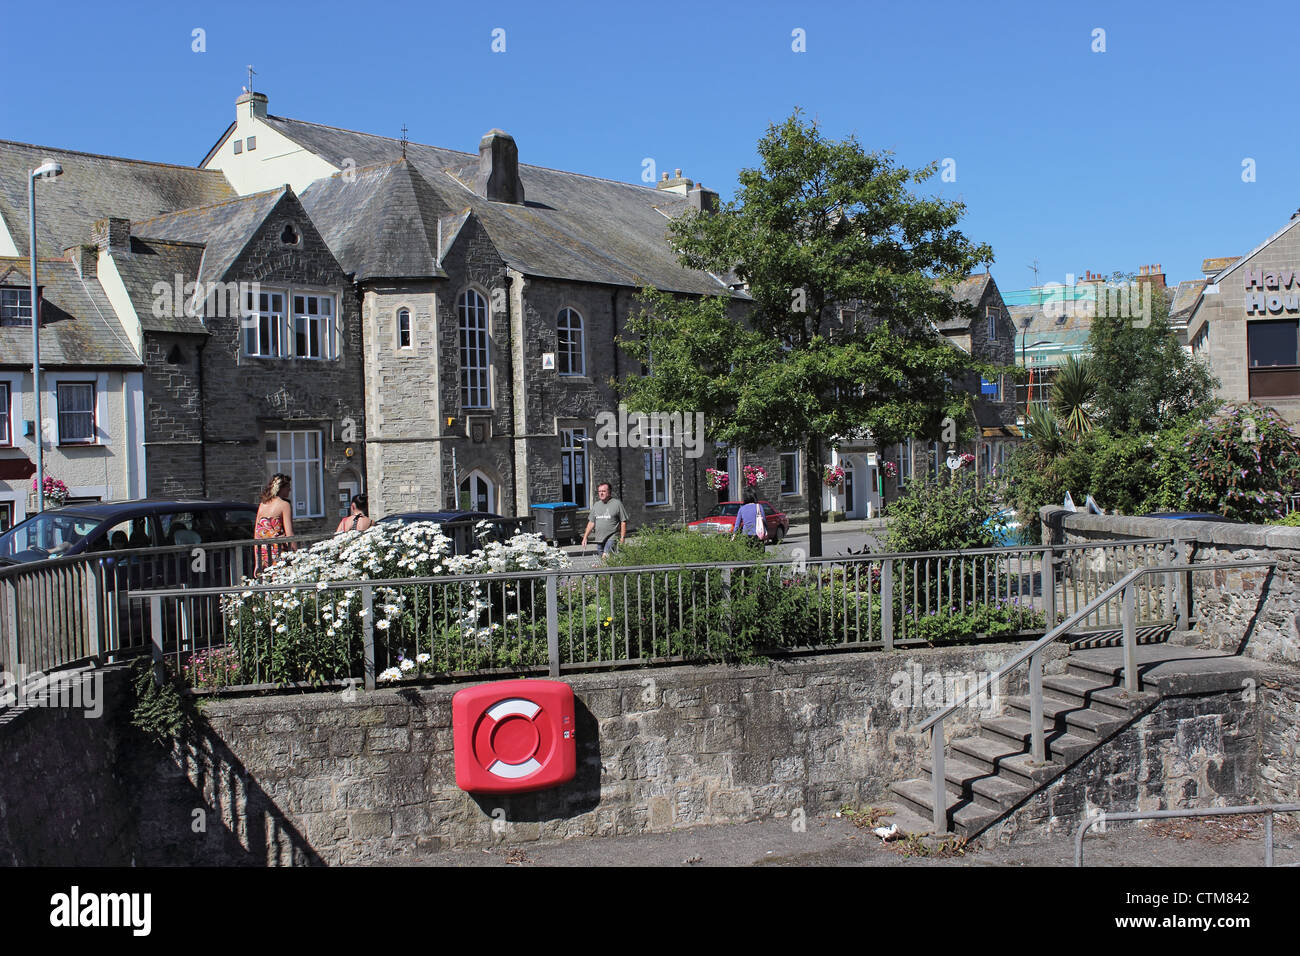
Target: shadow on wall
[579,795]
[198,805]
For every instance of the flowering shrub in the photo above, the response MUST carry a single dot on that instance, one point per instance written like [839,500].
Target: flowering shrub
[218,667]
[314,634]
[56,492]
[716,479]
[891,469]
[1243,463]
[754,474]
[833,477]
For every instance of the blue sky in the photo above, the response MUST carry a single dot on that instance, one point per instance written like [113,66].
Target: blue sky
[1079,159]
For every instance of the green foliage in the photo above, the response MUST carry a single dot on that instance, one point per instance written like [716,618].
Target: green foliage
[1242,463]
[1290,521]
[943,516]
[1073,391]
[998,619]
[1045,432]
[676,546]
[160,711]
[822,224]
[1146,381]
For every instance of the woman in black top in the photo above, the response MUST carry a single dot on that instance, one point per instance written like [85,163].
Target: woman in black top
[357,518]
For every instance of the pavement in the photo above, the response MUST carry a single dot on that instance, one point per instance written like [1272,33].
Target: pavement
[836,840]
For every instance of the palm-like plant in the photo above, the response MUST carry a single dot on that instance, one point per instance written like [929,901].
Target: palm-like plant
[1045,432]
[1073,391]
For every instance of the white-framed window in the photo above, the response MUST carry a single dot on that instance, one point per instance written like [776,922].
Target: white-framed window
[570,358]
[15,306]
[76,412]
[905,462]
[404,340]
[298,455]
[6,417]
[309,331]
[573,466]
[313,325]
[6,515]
[789,472]
[263,324]
[475,374]
[993,324]
[656,469]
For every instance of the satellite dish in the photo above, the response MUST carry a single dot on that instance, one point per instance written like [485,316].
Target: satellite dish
[1069,503]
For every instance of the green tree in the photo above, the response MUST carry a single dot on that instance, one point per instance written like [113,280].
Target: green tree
[1145,380]
[1073,391]
[822,224]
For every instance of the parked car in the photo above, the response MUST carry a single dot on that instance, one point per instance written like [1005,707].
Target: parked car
[460,525]
[722,520]
[123,525]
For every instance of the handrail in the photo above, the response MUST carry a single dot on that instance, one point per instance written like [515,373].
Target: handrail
[1037,737]
[1268,808]
[1087,609]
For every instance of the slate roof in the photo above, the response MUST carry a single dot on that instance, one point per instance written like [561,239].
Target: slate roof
[969,290]
[156,260]
[1186,296]
[223,229]
[571,227]
[78,325]
[1212,266]
[94,187]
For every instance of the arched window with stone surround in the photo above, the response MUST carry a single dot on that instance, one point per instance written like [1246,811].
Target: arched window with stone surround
[571,344]
[471,310]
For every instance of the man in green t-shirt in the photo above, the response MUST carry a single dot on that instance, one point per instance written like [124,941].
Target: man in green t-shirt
[608,519]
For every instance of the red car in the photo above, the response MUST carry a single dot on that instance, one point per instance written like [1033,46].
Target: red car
[722,520]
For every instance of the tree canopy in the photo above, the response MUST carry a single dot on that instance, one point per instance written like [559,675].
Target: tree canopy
[822,229]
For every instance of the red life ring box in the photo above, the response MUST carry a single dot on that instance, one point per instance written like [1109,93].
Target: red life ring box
[514,736]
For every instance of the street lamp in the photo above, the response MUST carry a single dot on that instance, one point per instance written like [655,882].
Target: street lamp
[47,170]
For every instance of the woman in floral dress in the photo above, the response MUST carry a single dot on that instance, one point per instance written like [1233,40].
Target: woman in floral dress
[274,519]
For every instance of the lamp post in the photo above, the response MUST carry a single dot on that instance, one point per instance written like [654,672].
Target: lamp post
[47,170]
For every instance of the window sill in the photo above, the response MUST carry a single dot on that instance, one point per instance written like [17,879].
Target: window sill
[78,444]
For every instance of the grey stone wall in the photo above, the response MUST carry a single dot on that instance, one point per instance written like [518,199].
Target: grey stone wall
[373,778]
[1254,611]
[173,410]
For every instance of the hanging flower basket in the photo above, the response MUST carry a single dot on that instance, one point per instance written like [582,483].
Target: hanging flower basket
[753,475]
[833,477]
[716,479]
[56,492]
[891,470]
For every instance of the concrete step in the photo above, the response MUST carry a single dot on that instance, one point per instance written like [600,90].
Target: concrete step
[1068,717]
[1066,747]
[1080,691]
[1004,759]
[973,782]
[909,821]
[964,817]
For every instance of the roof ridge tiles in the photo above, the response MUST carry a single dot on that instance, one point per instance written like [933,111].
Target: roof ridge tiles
[213,205]
[118,159]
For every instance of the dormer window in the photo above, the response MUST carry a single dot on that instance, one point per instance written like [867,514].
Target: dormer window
[15,306]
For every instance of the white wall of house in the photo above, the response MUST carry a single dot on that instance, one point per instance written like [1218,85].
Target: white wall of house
[111,467]
[274,160]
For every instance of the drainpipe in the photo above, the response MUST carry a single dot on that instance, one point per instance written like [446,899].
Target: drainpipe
[203,424]
[618,452]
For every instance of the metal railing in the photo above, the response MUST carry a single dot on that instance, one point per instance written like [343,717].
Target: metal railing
[65,612]
[557,621]
[1268,809]
[1126,590]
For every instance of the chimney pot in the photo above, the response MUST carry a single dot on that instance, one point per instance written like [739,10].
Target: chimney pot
[677,174]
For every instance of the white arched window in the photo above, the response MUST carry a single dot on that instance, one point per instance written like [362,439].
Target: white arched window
[474,378]
[404,329]
[570,359]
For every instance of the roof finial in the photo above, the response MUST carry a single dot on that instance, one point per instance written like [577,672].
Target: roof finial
[403,141]
[249,88]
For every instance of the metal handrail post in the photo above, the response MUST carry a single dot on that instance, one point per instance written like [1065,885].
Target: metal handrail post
[1048,587]
[1130,638]
[1037,744]
[553,626]
[368,636]
[156,627]
[1183,587]
[1267,809]
[938,792]
[887,603]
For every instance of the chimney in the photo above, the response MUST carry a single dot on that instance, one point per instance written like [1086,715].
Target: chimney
[705,200]
[84,258]
[677,184]
[498,168]
[1152,274]
[113,235]
[251,104]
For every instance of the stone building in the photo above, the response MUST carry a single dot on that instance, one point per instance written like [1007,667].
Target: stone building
[1244,320]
